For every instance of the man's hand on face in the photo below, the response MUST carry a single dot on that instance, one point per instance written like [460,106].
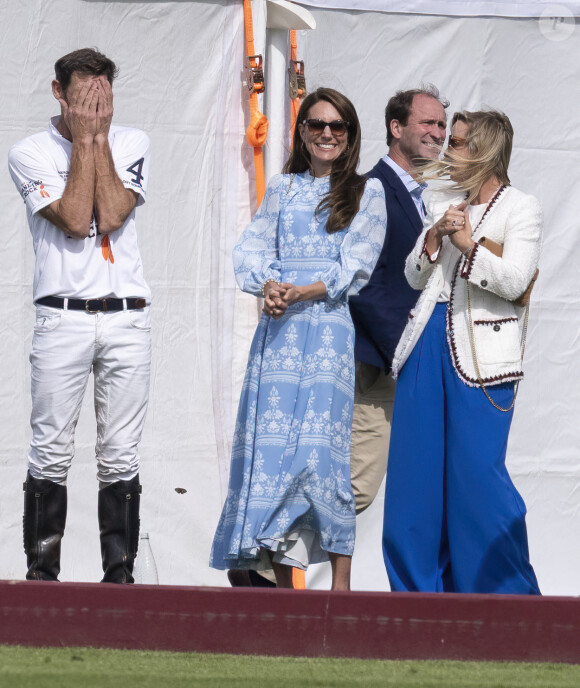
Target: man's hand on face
[80,112]
[104,108]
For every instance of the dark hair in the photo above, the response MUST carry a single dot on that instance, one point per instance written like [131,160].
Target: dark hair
[87,61]
[346,186]
[399,105]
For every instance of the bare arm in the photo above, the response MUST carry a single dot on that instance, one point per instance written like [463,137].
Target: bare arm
[73,212]
[309,292]
[113,202]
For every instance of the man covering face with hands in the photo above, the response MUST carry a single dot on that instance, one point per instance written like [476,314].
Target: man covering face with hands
[81,181]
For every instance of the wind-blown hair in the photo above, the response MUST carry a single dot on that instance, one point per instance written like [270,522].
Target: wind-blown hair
[346,186]
[489,141]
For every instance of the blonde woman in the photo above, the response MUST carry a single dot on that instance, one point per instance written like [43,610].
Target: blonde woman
[453,519]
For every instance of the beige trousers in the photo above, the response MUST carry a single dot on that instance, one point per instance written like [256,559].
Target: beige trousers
[374,395]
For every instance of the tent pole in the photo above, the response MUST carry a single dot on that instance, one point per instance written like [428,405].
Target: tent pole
[281,17]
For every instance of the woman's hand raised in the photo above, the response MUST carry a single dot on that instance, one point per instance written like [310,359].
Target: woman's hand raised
[454,221]
[462,238]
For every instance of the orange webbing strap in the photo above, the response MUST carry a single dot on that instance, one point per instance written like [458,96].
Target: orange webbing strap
[295,102]
[258,128]
[293,45]
[297,81]
[298,579]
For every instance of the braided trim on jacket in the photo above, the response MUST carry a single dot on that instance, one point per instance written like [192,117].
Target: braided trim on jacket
[468,263]
[470,381]
[425,251]
[499,321]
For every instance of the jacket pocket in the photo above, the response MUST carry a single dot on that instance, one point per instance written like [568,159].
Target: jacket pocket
[497,341]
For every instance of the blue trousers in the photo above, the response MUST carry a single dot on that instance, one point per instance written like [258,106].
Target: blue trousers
[454,522]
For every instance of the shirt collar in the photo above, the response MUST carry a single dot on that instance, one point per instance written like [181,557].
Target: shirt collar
[52,128]
[413,187]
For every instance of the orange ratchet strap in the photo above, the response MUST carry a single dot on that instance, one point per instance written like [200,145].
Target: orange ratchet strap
[257,130]
[296,82]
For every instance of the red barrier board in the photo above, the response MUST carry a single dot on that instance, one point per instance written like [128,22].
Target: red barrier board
[285,622]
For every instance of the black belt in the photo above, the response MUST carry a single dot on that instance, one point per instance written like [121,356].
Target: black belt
[93,305]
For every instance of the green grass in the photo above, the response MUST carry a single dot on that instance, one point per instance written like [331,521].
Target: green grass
[88,668]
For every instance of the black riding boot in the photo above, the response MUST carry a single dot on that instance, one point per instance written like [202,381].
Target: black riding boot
[119,526]
[44,521]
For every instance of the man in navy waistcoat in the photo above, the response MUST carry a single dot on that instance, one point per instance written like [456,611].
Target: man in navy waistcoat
[416,126]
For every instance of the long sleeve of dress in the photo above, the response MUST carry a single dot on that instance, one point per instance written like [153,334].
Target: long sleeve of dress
[361,246]
[255,255]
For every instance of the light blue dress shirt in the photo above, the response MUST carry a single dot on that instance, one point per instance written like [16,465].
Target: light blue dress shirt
[414,188]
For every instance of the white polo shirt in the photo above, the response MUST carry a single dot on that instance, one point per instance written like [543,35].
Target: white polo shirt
[80,268]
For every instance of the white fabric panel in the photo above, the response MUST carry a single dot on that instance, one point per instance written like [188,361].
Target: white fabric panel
[457,8]
[180,81]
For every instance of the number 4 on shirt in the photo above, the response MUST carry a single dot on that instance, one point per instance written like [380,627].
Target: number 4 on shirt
[136,169]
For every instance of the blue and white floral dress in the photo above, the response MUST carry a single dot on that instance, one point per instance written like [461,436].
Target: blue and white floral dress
[289,488]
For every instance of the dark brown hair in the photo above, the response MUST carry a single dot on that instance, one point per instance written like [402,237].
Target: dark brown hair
[87,61]
[399,106]
[346,186]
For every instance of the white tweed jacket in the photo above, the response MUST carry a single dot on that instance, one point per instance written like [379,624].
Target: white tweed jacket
[514,221]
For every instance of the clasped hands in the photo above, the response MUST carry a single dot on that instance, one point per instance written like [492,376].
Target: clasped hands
[456,225]
[88,110]
[278,296]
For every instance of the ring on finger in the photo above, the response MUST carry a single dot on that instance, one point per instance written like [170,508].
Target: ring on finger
[453,223]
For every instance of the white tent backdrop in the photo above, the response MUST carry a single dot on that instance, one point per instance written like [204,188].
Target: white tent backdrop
[459,8]
[180,81]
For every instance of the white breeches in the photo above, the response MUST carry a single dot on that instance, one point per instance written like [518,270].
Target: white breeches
[66,346]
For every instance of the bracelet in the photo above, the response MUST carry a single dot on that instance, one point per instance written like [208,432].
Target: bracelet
[468,251]
[265,283]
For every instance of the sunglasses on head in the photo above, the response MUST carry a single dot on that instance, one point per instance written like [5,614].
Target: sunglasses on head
[317,126]
[456,142]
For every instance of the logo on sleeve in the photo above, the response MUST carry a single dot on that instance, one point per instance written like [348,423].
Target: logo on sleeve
[136,170]
[30,187]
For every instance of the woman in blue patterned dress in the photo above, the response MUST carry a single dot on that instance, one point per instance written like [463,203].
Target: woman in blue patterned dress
[313,242]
